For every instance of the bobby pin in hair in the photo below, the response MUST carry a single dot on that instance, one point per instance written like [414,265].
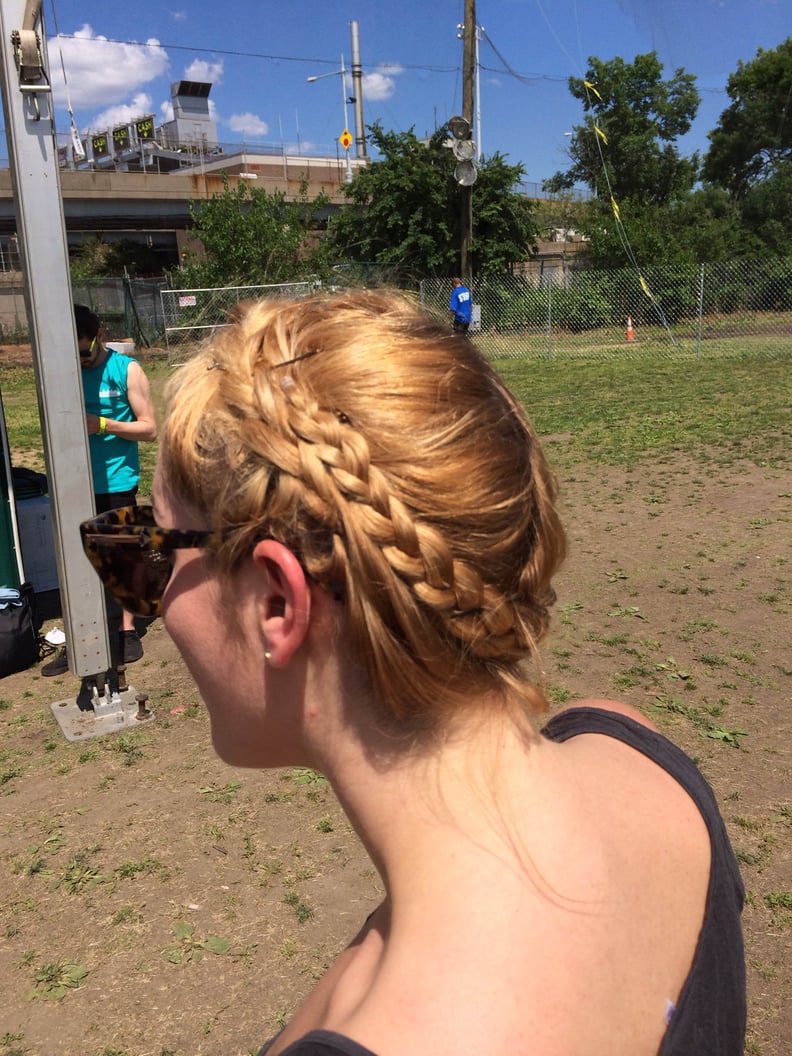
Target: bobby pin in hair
[214,365]
[288,362]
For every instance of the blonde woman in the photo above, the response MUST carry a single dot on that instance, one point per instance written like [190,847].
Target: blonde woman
[354,516]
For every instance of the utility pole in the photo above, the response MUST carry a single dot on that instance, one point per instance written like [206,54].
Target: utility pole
[357,91]
[345,133]
[468,82]
[479,31]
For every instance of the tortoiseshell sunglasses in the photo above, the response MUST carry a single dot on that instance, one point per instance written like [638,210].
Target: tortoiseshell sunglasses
[134,556]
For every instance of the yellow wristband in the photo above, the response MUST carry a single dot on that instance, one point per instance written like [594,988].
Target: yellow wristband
[102,426]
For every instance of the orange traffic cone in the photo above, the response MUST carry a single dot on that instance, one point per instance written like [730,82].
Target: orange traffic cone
[630,335]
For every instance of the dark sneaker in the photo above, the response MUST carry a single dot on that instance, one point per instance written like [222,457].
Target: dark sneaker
[58,666]
[131,649]
[85,696]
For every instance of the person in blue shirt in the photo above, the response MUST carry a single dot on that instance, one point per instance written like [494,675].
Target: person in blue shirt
[119,415]
[460,307]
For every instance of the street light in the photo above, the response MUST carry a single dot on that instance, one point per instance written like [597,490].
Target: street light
[346,138]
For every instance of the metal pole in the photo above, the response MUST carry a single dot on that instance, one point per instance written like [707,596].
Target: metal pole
[700,312]
[357,91]
[33,157]
[348,174]
[344,92]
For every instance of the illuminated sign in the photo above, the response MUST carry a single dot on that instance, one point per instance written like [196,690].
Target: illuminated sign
[121,138]
[100,146]
[145,127]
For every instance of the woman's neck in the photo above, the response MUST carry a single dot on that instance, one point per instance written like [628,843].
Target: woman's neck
[413,807]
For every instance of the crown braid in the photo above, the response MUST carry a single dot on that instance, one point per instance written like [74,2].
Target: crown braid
[388,455]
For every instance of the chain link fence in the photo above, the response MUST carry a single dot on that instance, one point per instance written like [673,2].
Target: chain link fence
[564,312]
[130,309]
[557,310]
[191,315]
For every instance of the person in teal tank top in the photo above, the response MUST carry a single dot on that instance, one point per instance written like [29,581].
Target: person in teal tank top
[115,463]
[119,414]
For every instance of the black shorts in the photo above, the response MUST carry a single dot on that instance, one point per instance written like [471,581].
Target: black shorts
[114,500]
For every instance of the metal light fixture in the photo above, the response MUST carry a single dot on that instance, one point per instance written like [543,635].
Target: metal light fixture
[465,172]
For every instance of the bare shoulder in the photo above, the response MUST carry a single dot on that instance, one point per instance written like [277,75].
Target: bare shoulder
[616,774]
[136,373]
[611,705]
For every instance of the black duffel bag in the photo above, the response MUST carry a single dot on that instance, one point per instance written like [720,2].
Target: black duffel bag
[19,642]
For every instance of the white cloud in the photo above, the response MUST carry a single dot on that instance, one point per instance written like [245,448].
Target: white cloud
[179,16]
[122,114]
[201,70]
[380,84]
[102,72]
[248,125]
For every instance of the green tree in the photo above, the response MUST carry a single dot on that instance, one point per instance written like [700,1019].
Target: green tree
[626,146]
[708,226]
[405,209]
[752,141]
[251,236]
[767,211]
[625,152]
[704,226]
[95,258]
[89,260]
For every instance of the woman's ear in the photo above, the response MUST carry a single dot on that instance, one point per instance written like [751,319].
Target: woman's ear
[285,599]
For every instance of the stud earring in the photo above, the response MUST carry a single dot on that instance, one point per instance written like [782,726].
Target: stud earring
[267,655]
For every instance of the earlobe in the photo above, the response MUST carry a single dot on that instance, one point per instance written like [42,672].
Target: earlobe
[285,601]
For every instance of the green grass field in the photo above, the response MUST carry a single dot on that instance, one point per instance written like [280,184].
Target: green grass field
[615,413]
[629,411]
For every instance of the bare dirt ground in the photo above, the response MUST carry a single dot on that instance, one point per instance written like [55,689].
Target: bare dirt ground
[202,902]
[22,356]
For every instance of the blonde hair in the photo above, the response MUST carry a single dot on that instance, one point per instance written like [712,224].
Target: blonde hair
[388,455]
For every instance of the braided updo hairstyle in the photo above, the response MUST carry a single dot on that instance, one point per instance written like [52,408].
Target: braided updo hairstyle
[385,452]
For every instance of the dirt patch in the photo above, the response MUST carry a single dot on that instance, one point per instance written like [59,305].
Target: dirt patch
[130,856]
[22,355]
[15,356]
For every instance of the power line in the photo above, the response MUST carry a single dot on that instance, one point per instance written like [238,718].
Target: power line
[523,78]
[527,79]
[530,79]
[250,54]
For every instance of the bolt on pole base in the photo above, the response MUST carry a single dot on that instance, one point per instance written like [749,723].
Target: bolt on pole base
[96,711]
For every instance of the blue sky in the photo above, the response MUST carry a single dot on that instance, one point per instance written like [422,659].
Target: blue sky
[259,55]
